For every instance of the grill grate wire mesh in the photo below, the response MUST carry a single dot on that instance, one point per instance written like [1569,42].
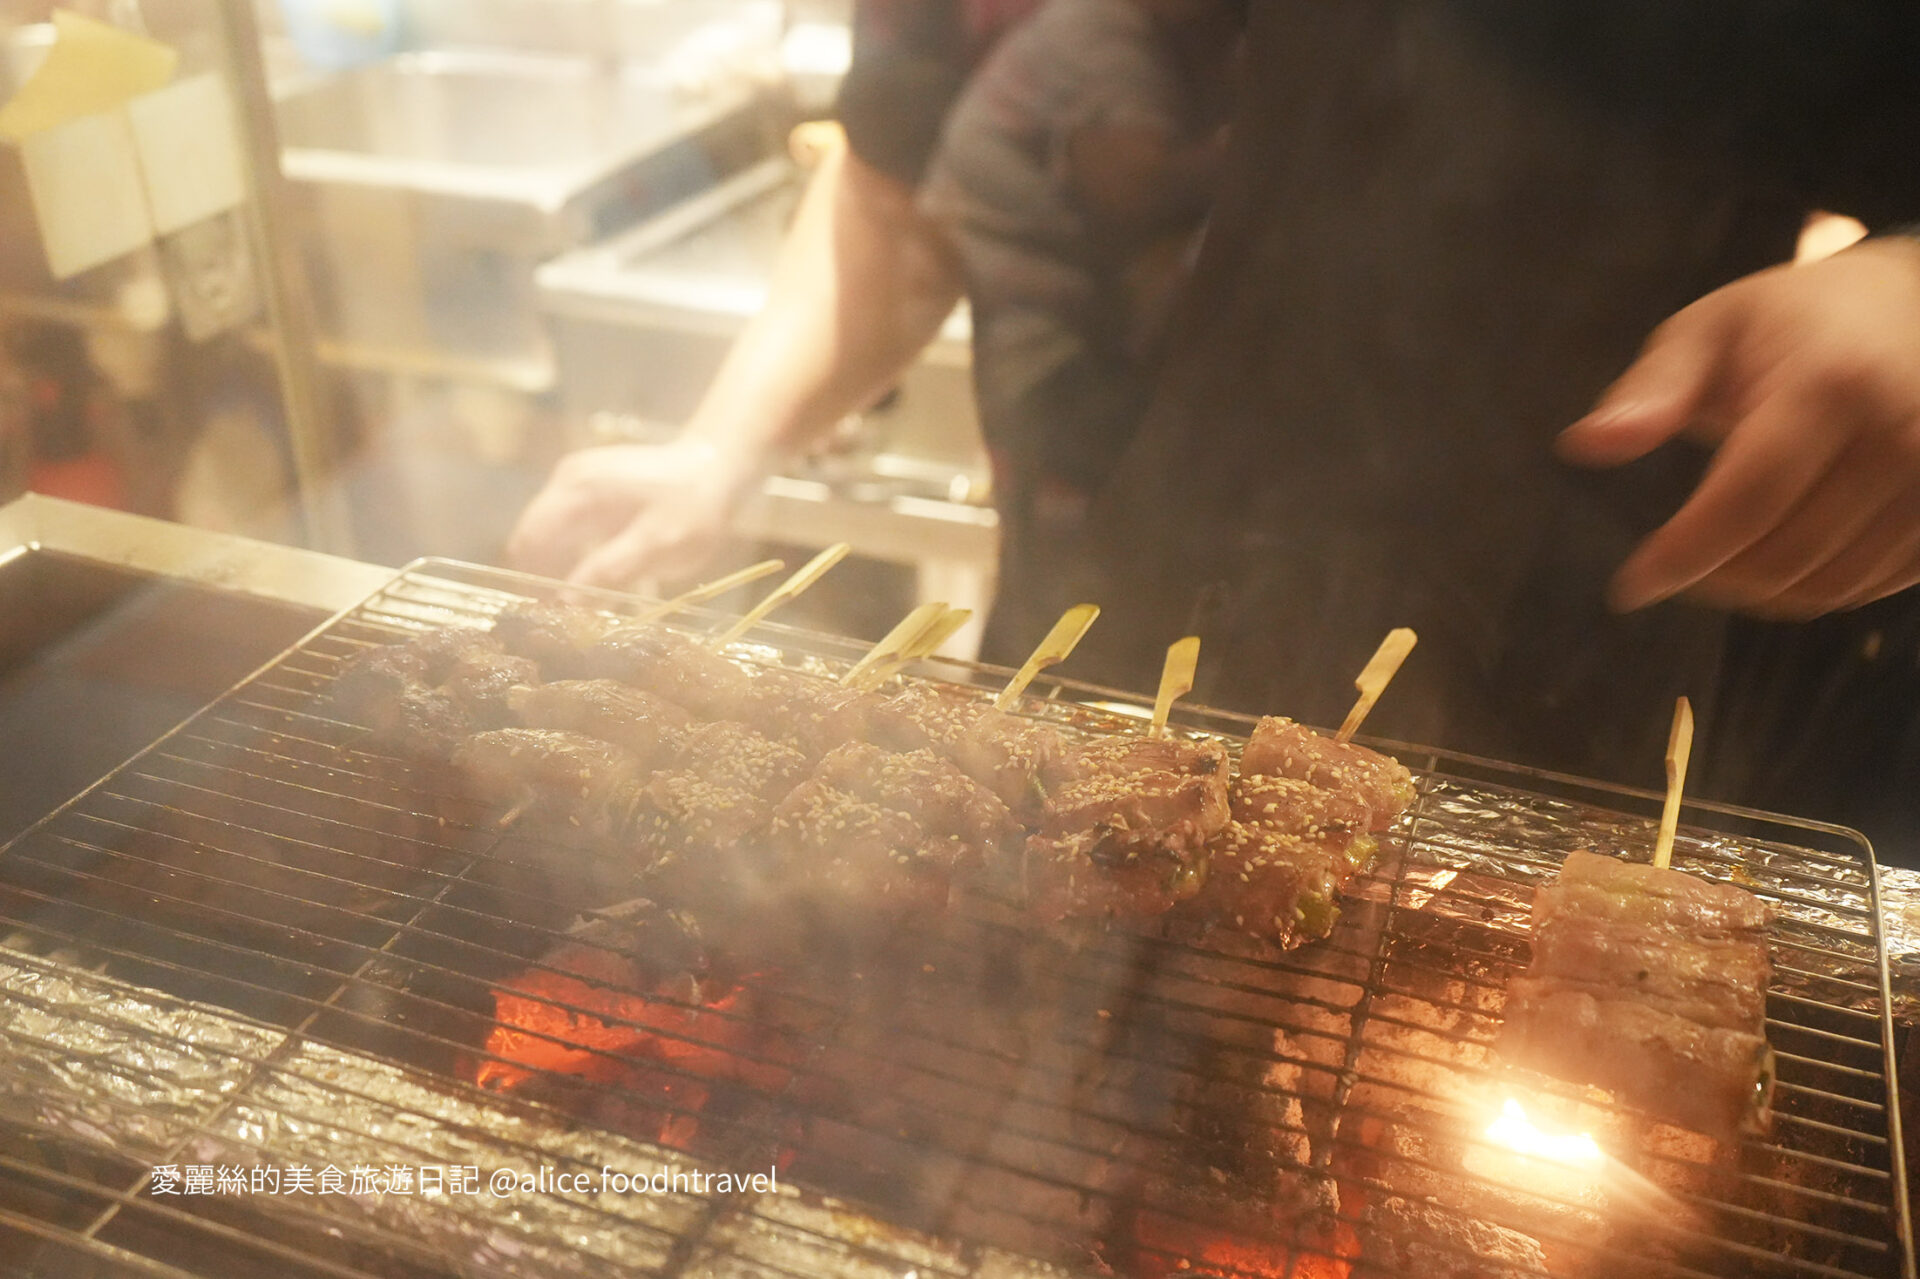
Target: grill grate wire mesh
[260,941]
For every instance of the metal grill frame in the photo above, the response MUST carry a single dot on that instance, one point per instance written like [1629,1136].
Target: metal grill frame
[436,592]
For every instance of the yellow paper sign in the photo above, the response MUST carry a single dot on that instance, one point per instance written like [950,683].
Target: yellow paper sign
[92,67]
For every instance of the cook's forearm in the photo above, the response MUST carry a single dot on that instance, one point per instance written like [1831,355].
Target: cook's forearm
[862,285]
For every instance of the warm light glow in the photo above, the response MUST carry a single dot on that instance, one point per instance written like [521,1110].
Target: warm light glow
[1517,1133]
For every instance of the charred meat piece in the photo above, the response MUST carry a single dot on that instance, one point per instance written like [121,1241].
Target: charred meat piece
[553,635]
[652,729]
[1282,748]
[427,692]
[1139,796]
[1289,806]
[482,682]
[927,715]
[705,837]
[567,776]
[1005,753]
[1710,1079]
[814,714]
[735,757]
[414,718]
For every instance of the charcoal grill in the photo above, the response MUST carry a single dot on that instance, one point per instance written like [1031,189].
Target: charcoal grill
[261,945]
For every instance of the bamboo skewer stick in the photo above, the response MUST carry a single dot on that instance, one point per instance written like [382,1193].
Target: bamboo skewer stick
[937,634]
[895,642]
[711,590]
[1176,680]
[1060,641]
[809,573]
[1679,751]
[925,645]
[1378,673]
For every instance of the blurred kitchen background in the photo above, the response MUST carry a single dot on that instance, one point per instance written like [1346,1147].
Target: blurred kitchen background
[499,229]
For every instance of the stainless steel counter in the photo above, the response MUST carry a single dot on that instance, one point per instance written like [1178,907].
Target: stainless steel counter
[221,560]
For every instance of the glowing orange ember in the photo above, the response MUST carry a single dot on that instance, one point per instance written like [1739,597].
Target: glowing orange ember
[1170,1247]
[557,1024]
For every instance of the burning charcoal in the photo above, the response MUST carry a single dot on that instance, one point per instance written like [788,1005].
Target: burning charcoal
[631,999]
[1403,1237]
[1425,1159]
[1377,782]
[651,729]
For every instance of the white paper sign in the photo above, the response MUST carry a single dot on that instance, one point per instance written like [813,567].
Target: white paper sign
[84,178]
[185,136]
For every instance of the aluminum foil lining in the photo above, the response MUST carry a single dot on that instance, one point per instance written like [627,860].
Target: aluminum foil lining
[1900,920]
[1477,853]
[161,1081]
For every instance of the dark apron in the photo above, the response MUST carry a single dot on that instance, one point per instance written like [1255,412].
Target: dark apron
[1448,226]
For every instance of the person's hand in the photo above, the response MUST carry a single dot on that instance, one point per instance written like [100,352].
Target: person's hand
[1807,380]
[609,515]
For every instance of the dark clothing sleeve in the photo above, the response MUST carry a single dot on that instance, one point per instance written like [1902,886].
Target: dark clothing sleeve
[910,59]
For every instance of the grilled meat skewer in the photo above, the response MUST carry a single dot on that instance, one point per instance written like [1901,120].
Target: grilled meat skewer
[1281,748]
[424,694]
[707,755]
[1275,875]
[1651,983]
[652,729]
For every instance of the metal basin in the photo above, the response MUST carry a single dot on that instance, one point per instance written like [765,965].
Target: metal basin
[515,126]
[97,660]
[433,183]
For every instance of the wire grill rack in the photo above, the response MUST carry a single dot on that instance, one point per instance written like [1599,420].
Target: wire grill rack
[261,945]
